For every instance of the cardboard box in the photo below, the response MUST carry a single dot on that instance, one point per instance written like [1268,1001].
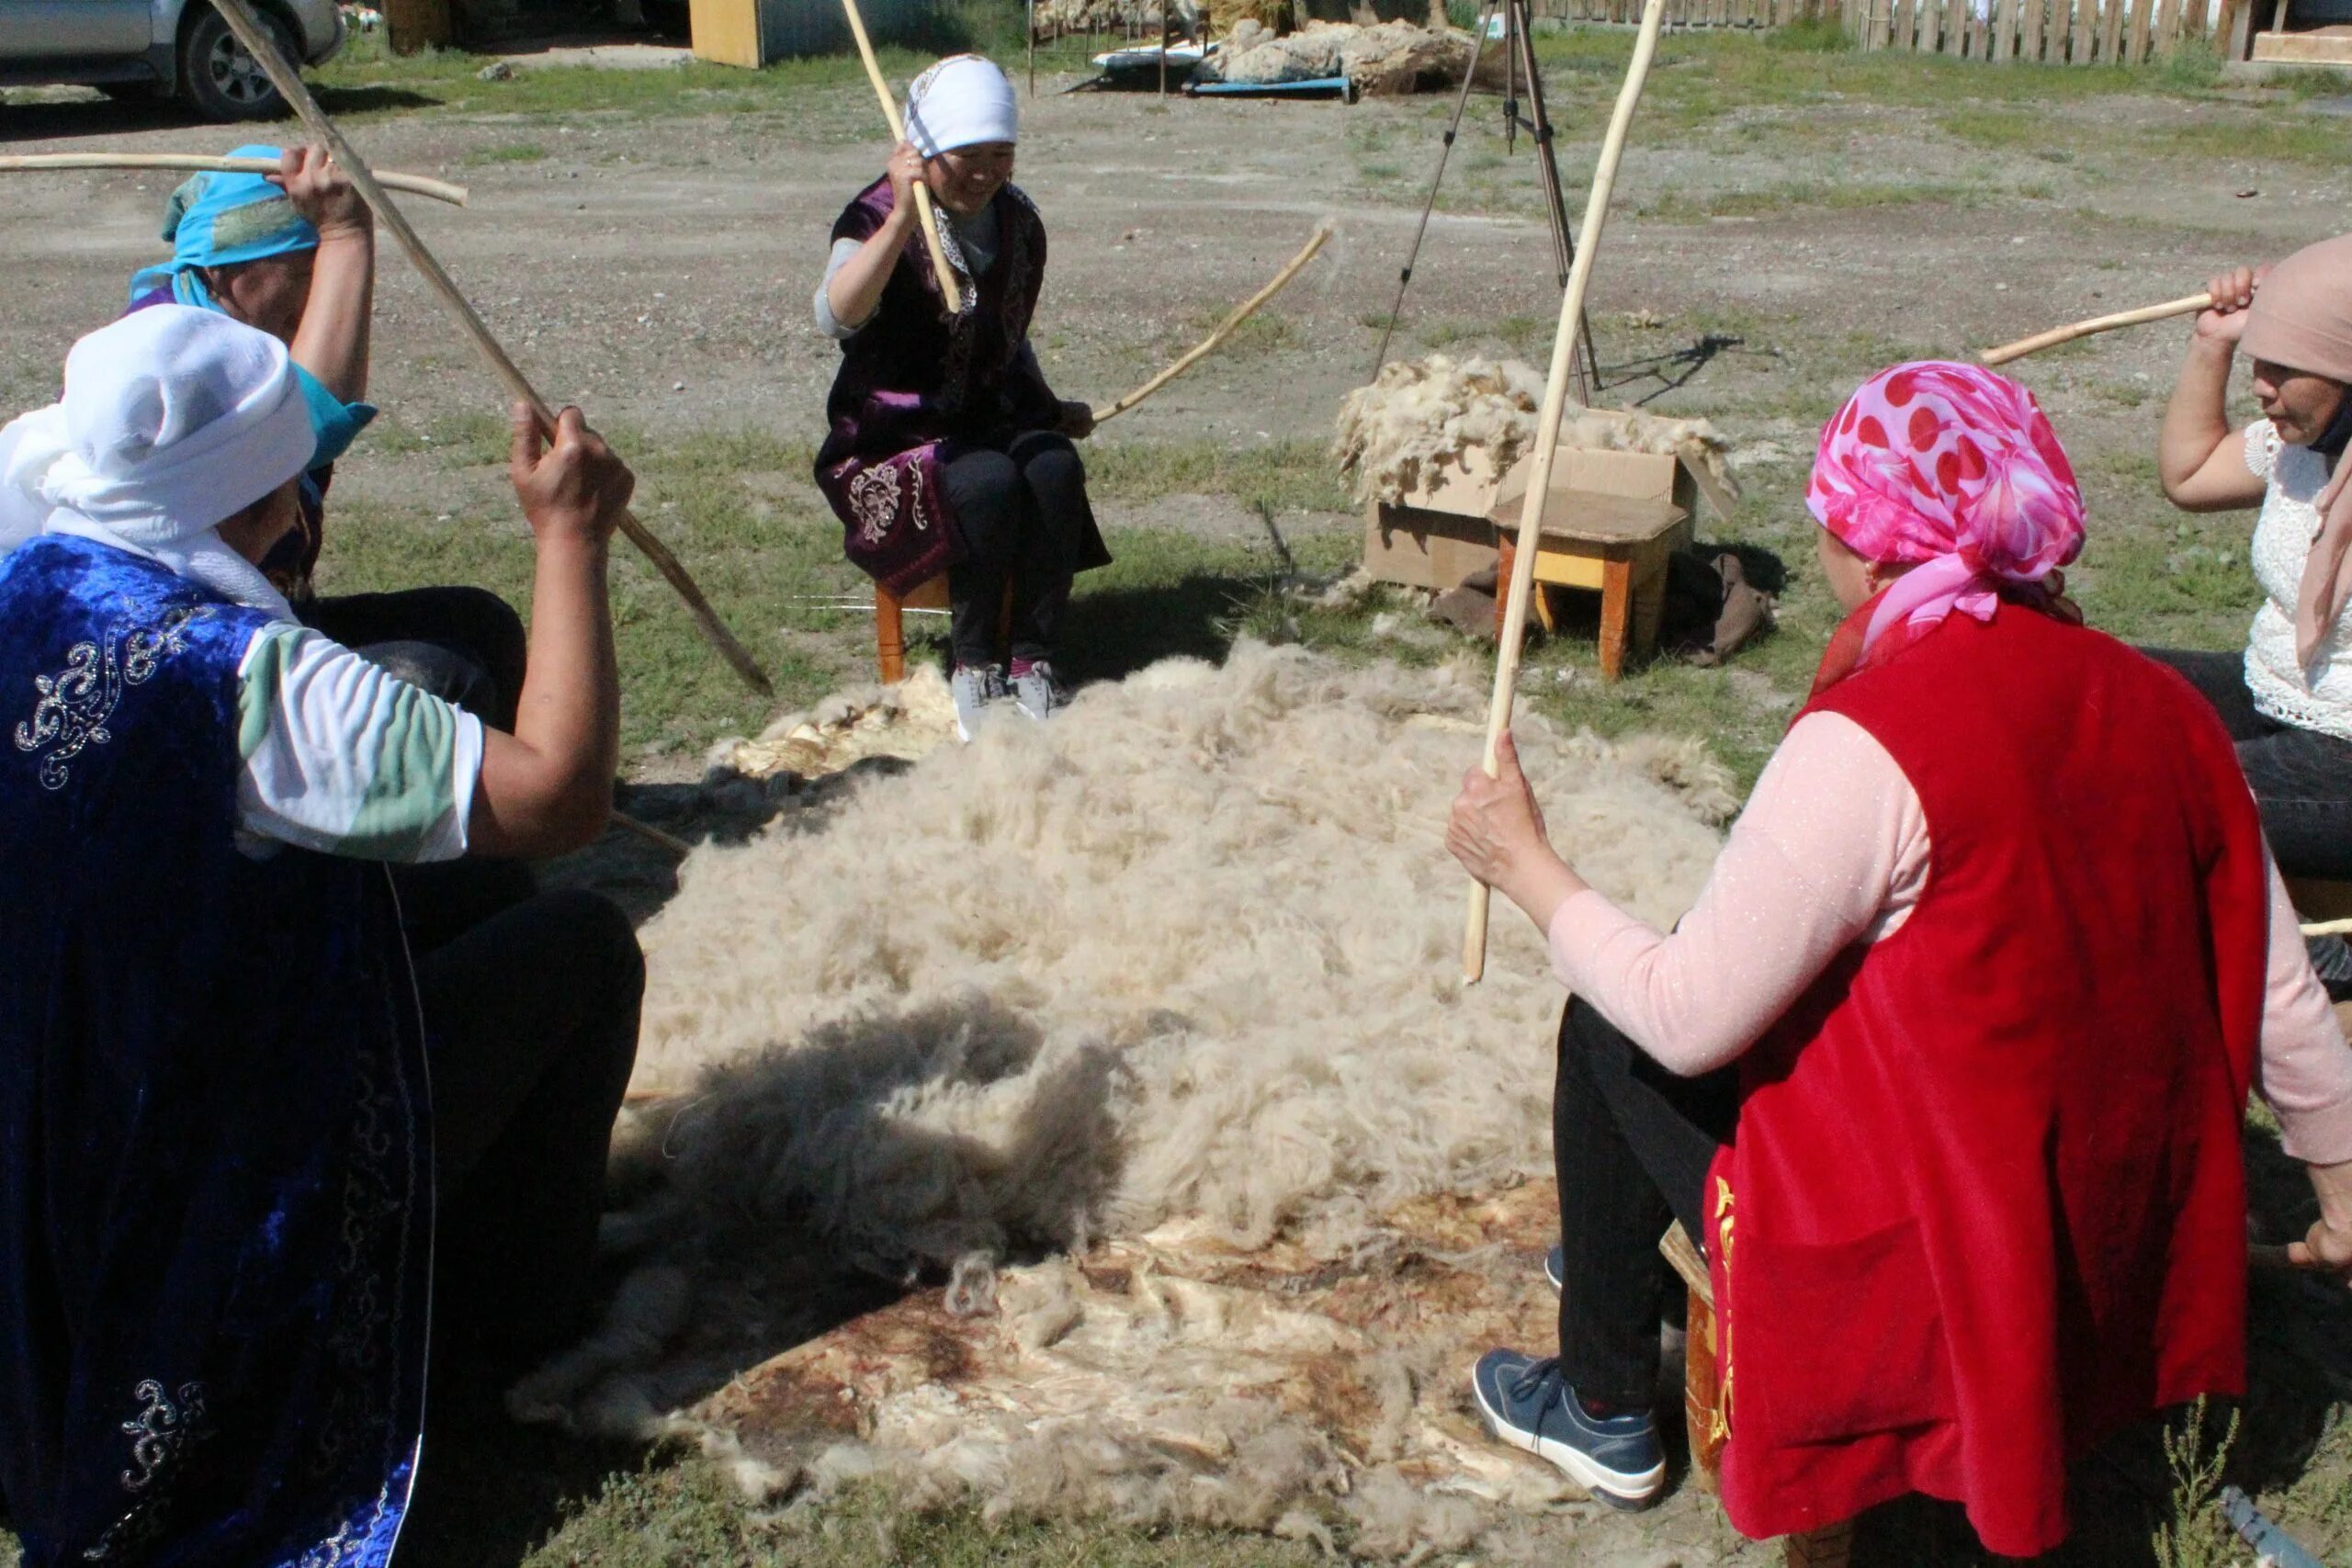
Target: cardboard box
[1440,533]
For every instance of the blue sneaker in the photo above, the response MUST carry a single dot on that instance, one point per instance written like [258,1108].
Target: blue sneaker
[1555,1268]
[1530,1405]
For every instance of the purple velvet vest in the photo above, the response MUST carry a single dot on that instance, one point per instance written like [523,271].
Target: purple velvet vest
[913,384]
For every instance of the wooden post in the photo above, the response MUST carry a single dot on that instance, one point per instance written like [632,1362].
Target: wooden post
[2136,50]
[1547,440]
[289,83]
[2111,32]
[2078,52]
[2031,31]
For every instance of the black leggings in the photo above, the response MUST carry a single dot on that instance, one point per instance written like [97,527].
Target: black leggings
[1631,1144]
[1021,512]
[465,646]
[531,1033]
[2302,779]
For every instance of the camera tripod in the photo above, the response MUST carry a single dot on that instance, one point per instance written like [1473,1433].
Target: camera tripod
[1519,69]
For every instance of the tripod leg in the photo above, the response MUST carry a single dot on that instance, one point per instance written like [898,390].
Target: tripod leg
[1547,168]
[1445,151]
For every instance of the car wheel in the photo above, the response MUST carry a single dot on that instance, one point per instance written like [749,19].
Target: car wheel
[221,80]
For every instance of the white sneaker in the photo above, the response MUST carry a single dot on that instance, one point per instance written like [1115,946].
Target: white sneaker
[1038,690]
[974,689]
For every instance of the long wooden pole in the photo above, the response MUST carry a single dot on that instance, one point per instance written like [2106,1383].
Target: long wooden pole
[1547,444]
[289,83]
[930,220]
[1209,344]
[2183,306]
[416,185]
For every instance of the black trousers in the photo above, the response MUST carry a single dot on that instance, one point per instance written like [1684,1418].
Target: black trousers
[2302,779]
[465,646]
[1021,510]
[1631,1144]
[531,1021]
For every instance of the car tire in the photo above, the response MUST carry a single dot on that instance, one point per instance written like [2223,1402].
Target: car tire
[220,79]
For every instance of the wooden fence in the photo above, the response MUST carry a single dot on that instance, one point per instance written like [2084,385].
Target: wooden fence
[2078,32]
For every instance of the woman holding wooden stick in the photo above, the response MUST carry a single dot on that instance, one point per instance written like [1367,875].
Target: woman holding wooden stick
[2286,699]
[294,254]
[1945,1067]
[947,450]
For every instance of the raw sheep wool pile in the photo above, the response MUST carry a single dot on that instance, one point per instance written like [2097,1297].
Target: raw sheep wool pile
[1055,17]
[1419,417]
[1116,1022]
[1381,59]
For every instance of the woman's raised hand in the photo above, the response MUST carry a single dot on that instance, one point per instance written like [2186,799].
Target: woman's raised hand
[905,170]
[321,192]
[2232,291]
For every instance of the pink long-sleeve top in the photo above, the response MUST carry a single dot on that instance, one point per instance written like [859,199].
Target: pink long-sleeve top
[1832,850]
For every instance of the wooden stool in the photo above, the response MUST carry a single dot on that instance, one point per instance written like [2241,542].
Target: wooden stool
[1832,1546]
[890,623]
[1616,544]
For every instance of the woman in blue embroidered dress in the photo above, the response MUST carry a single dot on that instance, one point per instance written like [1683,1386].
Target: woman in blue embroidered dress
[947,452]
[245,1148]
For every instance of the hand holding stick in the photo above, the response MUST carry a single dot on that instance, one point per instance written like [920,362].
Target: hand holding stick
[923,213]
[238,14]
[1209,344]
[1547,445]
[416,185]
[2187,305]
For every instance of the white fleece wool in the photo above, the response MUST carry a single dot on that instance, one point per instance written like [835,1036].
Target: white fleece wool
[1169,982]
[1420,416]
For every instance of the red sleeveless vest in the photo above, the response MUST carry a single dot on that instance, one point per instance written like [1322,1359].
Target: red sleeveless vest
[1984,1204]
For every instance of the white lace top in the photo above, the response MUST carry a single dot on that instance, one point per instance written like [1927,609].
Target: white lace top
[2283,539]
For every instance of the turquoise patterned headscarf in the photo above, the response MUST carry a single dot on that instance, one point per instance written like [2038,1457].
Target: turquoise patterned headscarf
[214,220]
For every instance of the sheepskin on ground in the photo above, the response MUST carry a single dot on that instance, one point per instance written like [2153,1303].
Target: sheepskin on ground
[1144,1027]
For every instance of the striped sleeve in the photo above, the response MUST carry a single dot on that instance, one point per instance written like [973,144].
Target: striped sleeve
[341,757]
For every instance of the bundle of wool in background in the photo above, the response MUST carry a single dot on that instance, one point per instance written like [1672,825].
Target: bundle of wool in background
[1421,417]
[1168,984]
[1378,60]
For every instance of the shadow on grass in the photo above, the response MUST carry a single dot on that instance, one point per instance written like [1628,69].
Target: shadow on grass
[1110,635]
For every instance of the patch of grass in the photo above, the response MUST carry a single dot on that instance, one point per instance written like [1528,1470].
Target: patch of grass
[1811,35]
[1827,196]
[367,80]
[682,1516]
[2192,65]
[738,508]
[1268,331]
[517,153]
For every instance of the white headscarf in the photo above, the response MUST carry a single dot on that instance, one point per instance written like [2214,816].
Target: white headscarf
[962,101]
[173,420]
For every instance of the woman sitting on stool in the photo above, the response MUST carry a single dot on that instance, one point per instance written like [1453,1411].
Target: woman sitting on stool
[948,451]
[1946,1067]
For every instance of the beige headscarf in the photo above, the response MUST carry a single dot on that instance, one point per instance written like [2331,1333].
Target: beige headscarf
[2302,319]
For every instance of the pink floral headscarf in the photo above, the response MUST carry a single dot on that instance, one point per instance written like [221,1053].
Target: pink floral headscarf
[1956,470]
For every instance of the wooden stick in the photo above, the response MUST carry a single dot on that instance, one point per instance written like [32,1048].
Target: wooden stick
[289,83]
[653,835]
[1209,344]
[2327,928]
[2057,335]
[416,185]
[1547,444]
[930,220]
